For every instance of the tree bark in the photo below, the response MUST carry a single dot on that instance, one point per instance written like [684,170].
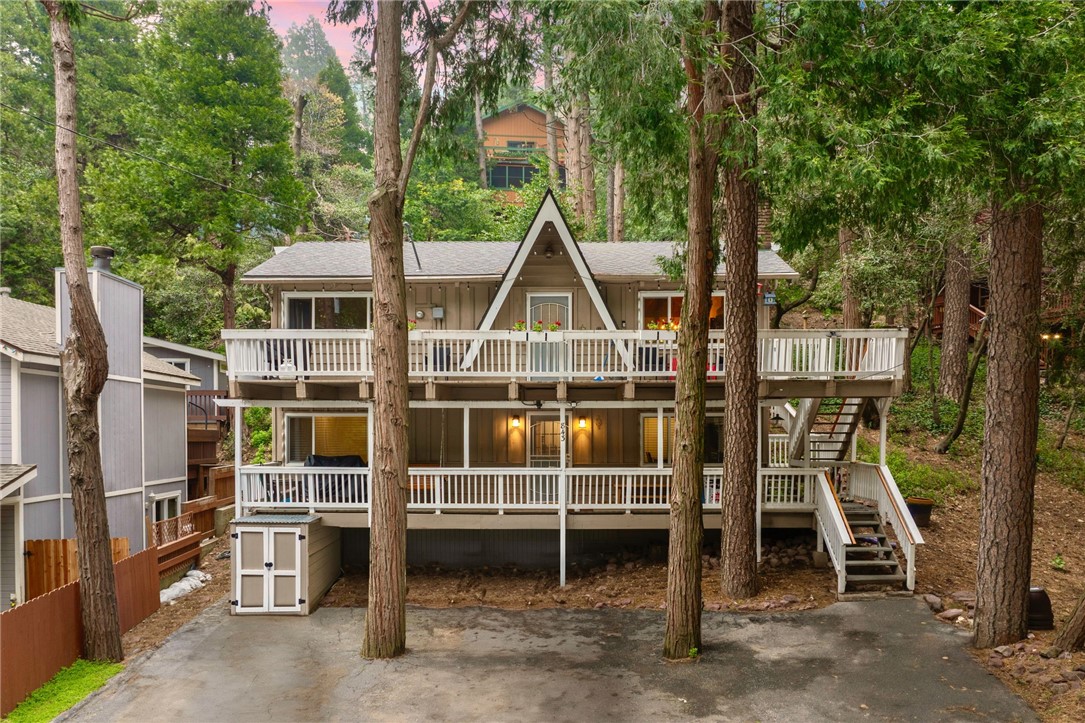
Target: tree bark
[954,363]
[299,116]
[1072,635]
[781,309]
[1009,446]
[610,203]
[682,631]
[852,318]
[966,393]
[553,166]
[738,558]
[84,369]
[480,140]
[587,164]
[385,620]
[619,200]
[229,297]
[572,158]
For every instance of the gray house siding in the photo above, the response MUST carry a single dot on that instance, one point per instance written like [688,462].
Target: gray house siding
[164,418]
[122,436]
[6,412]
[41,521]
[200,366]
[126,519]
[7,553]
[40,430]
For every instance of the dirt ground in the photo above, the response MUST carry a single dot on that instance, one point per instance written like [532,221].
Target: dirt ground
[150,633]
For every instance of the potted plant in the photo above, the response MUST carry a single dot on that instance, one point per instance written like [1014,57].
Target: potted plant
[411,324]
[920,509]
[519,325]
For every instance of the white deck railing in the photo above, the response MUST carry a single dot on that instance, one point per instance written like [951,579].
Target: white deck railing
[564,355]
[778,444]
[833,527]
[444,489]
[875,483]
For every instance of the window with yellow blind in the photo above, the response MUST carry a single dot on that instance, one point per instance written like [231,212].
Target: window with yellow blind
[650,439]
[327,436]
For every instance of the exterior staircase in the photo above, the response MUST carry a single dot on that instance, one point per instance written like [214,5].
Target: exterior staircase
[829,425]
[872,559]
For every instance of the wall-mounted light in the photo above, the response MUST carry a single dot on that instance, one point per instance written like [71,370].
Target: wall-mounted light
[583,423]
[516,420]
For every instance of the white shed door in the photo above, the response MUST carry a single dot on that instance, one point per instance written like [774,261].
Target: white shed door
[268,569]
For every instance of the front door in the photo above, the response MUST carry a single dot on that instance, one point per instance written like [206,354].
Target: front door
[544,452]
[268,569]
[551,312]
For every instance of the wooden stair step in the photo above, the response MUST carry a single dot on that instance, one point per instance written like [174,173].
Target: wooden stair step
[893,577]
[871,563]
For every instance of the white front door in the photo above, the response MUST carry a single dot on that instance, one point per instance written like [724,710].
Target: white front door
[268,563]
[548,310]
[544,452]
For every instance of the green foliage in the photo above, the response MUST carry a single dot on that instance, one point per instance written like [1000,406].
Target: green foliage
[1058,563]
[1066,465]
[357,144]
[258,422]
[307,50]
[917,479]
[65,689]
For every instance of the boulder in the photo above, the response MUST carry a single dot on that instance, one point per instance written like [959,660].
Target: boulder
[951,615]
[934,603]
[1006,651]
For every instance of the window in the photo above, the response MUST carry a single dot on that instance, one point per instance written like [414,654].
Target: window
[334,436]
[521,144]
[166,508]
[328,311]
[510,176]
[663,310]
[179,363]
[713,441]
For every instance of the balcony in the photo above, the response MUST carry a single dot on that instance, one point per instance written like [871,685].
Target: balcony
[568,356]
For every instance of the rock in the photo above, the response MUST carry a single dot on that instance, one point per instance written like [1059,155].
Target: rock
[1051,652]
[789,599]
[624,602]
[951,615]
[612,567]
[1006,651]
[1072,675]
[1059,688]
[600,605]
[1080,668]
[821,559]
[630,565]
[774,561]
[716,607]
[995,661]
[933,602]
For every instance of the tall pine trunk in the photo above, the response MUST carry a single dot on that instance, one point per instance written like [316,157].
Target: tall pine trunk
[738,557]
[1009,445]
[553,166]
[480,140]
[619,200]
[953,367]
[386,617]
[587,164]
[852,316]
[682,632]
[229,296]
[84,369]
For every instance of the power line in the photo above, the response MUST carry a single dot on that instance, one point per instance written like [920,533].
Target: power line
[219,184]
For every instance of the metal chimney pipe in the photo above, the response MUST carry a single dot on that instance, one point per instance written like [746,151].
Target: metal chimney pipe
[102,257]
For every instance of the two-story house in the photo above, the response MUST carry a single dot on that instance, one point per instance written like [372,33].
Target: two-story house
[514,135]
[542,405]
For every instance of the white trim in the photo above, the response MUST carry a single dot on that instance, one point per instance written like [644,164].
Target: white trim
[548,213]
[353,280]
[185,363]
[119,378]
[41,372]
[172,346]
[46,498]
[171,480]
[177,381]
[155,499]
[661,294]
[556,414]
[17,550]
[314,404]
[175,389]
[16,392]
[568,295]
[284,306]
[116,493]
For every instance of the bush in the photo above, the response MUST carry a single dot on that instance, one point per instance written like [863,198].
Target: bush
[916,479]
[258,422]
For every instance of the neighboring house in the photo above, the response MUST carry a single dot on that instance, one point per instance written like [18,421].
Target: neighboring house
[532,446]
[209,366]
[142,415]
[515,135]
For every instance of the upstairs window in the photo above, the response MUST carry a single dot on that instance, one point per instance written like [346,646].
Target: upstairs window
[328,311]
[510,176]
[521,144]
[663,311]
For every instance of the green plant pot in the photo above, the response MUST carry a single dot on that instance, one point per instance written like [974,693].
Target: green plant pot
[920,508]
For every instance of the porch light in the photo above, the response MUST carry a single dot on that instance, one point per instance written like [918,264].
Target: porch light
[516,420]
[583,423]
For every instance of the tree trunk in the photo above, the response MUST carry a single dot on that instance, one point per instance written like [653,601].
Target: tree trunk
[738,558]
[954,364]
[1072,635]
[966,393]
[1009,445]
[619,200]
[1066,424]
[852,319]
[587,164]
[386,617]
[84,369]
[572,159]
[553,167]
[936,403]
[480,139]
[229,297]
[299,110]
[610,203]
[682,631]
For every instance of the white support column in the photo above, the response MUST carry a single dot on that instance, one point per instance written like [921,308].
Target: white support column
[659,437]
[883,423]
[758,492]
[466,437]
[562,495]
[239,432]
[854,444]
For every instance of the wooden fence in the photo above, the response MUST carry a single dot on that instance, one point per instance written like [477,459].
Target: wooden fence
[53,563]
[178,541]
[41,636]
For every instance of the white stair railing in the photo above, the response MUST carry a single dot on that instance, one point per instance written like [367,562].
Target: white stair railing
[833,528]
[875,483]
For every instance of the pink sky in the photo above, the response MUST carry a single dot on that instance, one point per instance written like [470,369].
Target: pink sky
[286,12]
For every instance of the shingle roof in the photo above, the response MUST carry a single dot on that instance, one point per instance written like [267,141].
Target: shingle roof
[31,328]
[451,259]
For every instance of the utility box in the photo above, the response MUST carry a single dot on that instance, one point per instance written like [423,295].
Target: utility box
[282,564]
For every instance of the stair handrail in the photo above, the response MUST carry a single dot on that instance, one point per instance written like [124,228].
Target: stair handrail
[833,526]
[896,511]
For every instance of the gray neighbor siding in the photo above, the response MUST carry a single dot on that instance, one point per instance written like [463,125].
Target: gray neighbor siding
[7,553]
[6,411]
[198,365]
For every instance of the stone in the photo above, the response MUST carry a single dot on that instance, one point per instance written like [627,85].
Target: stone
[624,602]
[1072,675]
[789,599]
[1059,688]
[630,565]
[1006,651]
[1080,668]
[774,561]
[612,567]
[934,603]
[964,596]
[821,559]
[995,661]
[600,605]
[1049,653]
[951,615]
[715,607]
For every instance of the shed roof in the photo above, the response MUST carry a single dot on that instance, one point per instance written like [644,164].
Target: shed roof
[14,476]
[335,260]
[31,328]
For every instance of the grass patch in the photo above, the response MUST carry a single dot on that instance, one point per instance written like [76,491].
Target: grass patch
[1065,465]
[916,479]
[65,689]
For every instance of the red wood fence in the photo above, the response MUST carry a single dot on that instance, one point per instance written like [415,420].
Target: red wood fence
[41,636]
[53,563]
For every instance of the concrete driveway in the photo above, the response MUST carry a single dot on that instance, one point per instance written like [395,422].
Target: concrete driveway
[879,660]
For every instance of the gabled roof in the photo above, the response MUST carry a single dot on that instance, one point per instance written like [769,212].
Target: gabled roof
[181,348]
[13,477]
[30,329]
[514,107]
[641,259]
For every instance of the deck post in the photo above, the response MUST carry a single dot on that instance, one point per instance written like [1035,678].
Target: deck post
[239,432]
[883,428]
[758,512]
[369,459]
[659,437]
[466,437]
[562,497]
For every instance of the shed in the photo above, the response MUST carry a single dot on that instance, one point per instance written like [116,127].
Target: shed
[283,564]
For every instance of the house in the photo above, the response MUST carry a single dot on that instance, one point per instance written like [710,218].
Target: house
[515,135]
[142,416]
[208,366]
[541,413]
